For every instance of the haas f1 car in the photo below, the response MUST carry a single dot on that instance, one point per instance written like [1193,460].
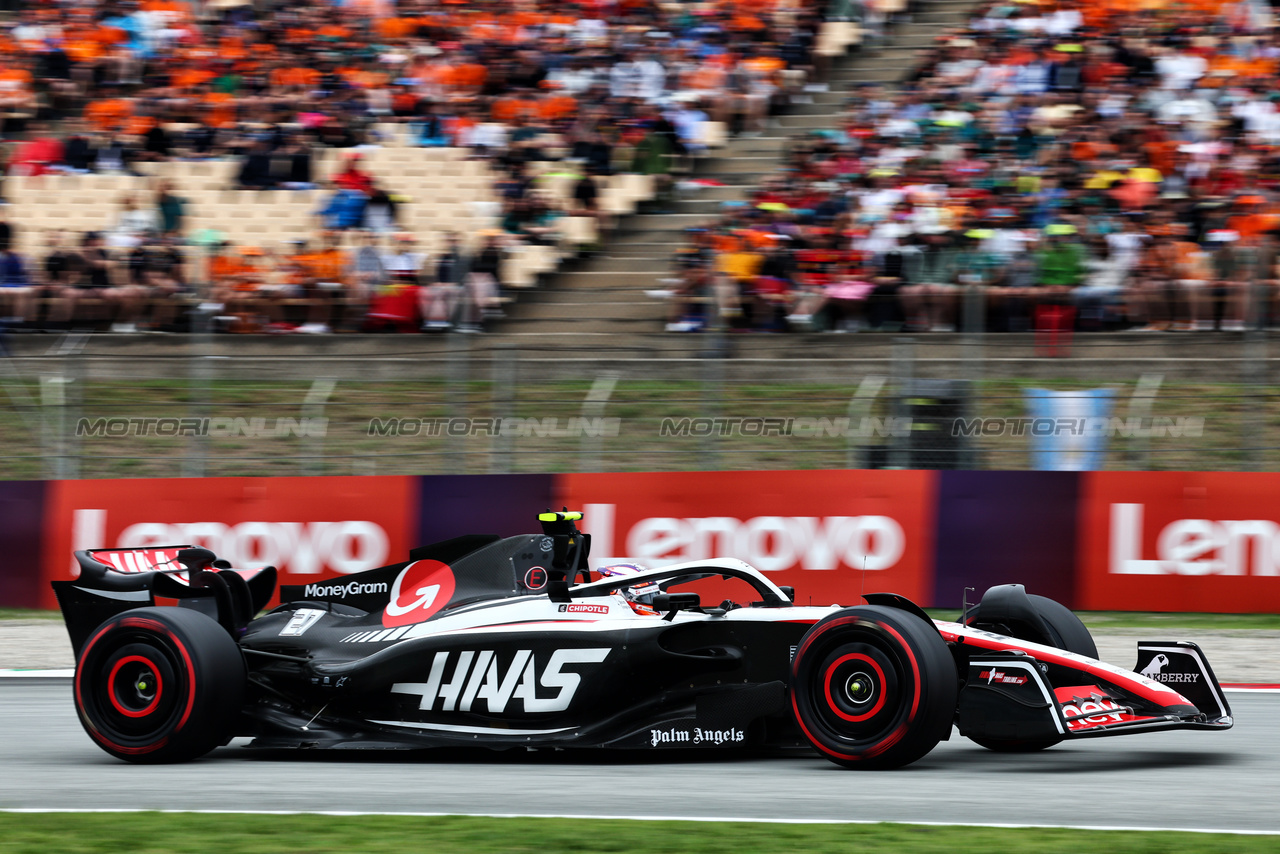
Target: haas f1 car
[515,642]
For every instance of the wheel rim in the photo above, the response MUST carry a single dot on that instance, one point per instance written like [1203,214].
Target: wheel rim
[856,692]
[134,686]
[132,690]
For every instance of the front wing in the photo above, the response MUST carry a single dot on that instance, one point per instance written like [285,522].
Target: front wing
[1014,696]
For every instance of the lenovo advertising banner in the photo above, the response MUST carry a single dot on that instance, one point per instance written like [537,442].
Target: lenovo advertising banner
[309,528]
[829,534]
[1180,541]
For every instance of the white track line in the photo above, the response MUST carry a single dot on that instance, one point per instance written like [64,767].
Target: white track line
[704,819]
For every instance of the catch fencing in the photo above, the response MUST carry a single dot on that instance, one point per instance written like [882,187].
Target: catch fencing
[196,406]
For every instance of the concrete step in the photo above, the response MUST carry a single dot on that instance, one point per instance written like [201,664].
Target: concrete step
[650,223]
[770,144]
[650,262]
[587,296]
[613,331]
[720,194]
[822,121]
[600,281]
[703,207]
[590,310]
[720,165]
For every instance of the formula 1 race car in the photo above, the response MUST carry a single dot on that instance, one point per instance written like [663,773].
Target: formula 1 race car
[515,642]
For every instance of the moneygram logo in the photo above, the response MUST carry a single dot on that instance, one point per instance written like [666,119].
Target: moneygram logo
[341,591]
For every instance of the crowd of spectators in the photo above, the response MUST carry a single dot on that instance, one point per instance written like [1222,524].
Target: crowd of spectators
[1100,164]
[105,85]
[152,280]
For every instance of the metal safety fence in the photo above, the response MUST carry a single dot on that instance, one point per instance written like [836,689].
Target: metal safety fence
[458,404]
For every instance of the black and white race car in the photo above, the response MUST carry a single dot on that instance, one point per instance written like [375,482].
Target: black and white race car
[514,642]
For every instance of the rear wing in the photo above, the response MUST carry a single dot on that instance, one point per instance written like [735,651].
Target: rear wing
[112,581]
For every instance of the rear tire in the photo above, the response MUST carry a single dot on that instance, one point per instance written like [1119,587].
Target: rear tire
[159,685]
[873,687]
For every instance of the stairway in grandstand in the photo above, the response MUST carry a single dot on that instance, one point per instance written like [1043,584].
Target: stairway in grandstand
[605,294]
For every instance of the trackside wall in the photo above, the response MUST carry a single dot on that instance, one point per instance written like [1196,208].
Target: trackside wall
[1159,541]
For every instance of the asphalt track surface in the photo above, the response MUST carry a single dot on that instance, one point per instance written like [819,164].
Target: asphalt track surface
[1189,780]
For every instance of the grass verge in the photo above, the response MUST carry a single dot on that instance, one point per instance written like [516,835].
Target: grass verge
[154,833]
[28,614]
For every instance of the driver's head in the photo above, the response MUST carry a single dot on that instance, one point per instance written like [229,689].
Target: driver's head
[643,592]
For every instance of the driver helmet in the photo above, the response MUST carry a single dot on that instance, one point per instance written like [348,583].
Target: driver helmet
[642,593]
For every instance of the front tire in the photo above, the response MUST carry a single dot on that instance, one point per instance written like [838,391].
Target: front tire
[873,687]
[159,685]
[1066,632]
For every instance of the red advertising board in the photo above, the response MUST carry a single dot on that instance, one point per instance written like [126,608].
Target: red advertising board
[812,530]
[1180,541]
[309,528]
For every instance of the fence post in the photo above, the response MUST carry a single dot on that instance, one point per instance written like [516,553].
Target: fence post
[312,446]
[712,393]
[975,339]
[58,393]
[904,353]
[1252,419]
[53,400]
[1144,395]
[593,409]
[199,388]
[457,391]
[504,390]
[859,412]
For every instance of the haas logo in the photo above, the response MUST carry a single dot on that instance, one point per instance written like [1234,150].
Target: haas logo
[420,590]
[1152,670]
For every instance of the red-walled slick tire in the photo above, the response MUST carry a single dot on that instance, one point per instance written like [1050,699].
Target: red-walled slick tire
[159,685]
[873,687]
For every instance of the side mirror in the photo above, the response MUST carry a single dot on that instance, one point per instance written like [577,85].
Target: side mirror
[674,602]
